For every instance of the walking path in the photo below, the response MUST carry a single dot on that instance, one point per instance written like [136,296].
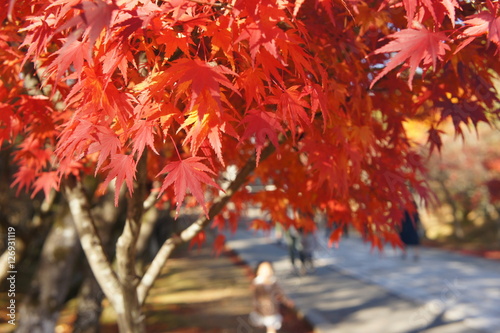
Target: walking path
[355,289]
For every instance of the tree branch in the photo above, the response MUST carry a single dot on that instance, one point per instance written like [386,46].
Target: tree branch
[126,244]
[132,316]
[187,234]
[152,198]
[90,240]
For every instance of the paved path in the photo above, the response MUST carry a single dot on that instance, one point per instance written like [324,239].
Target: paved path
[357,290]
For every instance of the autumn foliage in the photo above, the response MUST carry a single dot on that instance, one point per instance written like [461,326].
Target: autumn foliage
[203,85]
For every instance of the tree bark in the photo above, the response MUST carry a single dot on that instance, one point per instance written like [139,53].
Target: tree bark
[187,234]
[92,244]
[132,318]
[106,217]
[144,252]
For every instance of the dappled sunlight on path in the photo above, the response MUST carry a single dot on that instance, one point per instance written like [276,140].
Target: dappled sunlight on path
[355,289]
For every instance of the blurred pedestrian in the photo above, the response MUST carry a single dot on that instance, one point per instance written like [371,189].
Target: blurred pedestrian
[266,300]
[308,244]
[294,247]
[410,234]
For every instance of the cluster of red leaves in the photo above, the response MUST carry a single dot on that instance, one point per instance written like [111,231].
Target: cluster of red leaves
[202,85]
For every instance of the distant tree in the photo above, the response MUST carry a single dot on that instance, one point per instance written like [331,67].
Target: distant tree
[310,96]
[465,179]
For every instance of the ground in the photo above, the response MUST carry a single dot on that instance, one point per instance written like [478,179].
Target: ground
[197,292]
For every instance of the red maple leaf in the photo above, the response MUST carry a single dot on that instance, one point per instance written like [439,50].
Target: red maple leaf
[219,244]
[210,128]
[46,181]
[74,138]
[291,107]
[188,174]
[73,53]
[144,135]
[259,34]
[335,237]
[23,178]
[108,144]
[414,45]
[122,167]
[205,80]
[95,16]
[261,126]
[219,222]
[319,100]
[131,21]
[37,41]
[198,240]
[252,81]
[486,22]
[434,139]
[436,8]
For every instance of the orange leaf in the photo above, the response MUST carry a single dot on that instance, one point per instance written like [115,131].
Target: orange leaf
[259,224]
[188,174]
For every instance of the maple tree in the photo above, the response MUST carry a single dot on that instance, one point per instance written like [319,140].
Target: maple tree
[163,96]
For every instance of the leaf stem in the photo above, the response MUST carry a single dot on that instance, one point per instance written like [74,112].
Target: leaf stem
[175,146]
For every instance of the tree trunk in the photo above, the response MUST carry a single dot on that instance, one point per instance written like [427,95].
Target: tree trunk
[144,252]
[132,318]
[90,296]
[92,244]
[39,310]
[120,287]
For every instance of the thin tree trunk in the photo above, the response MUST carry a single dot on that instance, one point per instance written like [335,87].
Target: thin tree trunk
[187,234]
[144,253]
[92,244]
[90,296]
[144,250]
[120,289]
[132,319]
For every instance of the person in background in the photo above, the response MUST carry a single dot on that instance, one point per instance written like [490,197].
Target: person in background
[308,244]
[266,299]
[294,247]
[410,235]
